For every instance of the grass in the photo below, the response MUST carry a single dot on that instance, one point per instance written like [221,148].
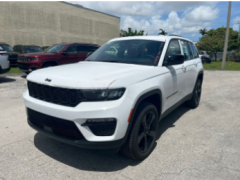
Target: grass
[14,70]
[235,66]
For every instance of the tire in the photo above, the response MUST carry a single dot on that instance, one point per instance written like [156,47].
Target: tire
[144,130]
[46,65]
[195,100]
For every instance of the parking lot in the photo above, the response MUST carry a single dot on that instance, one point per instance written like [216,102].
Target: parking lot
[200,143]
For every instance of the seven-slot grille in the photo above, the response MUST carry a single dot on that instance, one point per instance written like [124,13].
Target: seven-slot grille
[57,126]
[61,96]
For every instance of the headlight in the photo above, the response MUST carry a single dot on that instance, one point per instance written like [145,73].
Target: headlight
[101,95]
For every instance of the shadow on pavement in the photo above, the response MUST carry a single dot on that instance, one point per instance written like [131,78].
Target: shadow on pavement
[84,159]
[6,79]
[169,120]
[96,160]
[24,76]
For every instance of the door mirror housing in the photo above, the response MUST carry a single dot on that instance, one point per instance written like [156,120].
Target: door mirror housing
[173,59]
[88,54]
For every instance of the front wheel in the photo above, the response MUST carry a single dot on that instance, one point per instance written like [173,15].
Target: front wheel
[142,138]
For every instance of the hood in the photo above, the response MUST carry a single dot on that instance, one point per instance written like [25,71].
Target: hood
[87,75]
[38,54]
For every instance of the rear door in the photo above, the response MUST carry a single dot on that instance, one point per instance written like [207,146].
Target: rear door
[190,63]
[69,55]
[175,78]
[84,50]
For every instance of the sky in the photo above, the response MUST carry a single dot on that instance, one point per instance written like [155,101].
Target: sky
[184,18]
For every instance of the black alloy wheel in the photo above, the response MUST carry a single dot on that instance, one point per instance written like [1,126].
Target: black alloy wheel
[142,137]
[146,132]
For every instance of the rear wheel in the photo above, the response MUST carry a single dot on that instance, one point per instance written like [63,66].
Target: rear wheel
[195,100]
[142,138]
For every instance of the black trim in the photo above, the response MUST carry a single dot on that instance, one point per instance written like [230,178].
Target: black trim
[49,60]
[140,99]
[172,94]
[81,143]
[169,110]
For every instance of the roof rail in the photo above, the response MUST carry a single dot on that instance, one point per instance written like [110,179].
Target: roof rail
[174,35]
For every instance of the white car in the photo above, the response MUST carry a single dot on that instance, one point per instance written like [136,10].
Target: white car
[116,100]
[4,63]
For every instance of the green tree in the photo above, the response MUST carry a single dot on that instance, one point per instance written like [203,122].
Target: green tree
[133,33]
[162,32]
[203,31]
[213,41]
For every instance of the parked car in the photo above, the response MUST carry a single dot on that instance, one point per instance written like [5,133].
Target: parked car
[4,63]
[114,100]
[21,49]
[56,55]
[45,47]
[12,55]
[204,57]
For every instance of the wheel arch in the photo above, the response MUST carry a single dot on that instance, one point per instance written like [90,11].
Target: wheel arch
[154,97]
[49,61]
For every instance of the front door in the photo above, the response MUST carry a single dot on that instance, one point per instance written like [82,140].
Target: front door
[174,78]
[69,55]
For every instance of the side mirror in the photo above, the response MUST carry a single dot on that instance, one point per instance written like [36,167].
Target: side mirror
[88,54]
[173,59]
[64,53]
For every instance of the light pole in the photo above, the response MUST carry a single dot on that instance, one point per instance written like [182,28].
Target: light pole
[226,36]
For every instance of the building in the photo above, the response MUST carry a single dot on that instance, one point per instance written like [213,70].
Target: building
[47,23]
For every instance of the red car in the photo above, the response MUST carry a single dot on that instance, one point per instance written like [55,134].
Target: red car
[55,55]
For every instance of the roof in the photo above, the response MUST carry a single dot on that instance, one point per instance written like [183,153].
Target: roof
[155,38]
[80,6]
[66,43]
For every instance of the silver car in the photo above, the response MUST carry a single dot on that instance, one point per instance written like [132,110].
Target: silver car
[4,63]
[204,57]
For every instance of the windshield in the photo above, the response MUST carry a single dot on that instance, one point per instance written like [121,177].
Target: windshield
[142,52]
[6,47]
[30,49]
[55,48]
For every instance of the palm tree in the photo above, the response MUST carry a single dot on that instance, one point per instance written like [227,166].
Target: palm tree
[162,32]
[203,31]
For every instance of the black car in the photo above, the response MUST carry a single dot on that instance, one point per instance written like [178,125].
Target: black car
[12,55]
[21,49]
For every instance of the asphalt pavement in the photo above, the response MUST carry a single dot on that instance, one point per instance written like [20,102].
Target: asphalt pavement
[202,143]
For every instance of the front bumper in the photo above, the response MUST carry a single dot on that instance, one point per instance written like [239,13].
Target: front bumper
[27,67]
[119,109]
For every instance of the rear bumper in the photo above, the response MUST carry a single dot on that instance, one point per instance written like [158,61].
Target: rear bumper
[2,71]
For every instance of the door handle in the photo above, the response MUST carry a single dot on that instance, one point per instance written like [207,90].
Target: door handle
[183,68]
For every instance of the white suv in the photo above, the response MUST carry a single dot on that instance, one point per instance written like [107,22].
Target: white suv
[116,99]
[4,63]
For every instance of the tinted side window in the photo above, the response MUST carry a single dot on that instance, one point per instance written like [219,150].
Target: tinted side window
[194,50]
[71,49]
[173,48]
[187,52]
[86,49]
[15,48]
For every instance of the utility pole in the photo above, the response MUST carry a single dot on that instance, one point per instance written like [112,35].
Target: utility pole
[226,36]
[238,31]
